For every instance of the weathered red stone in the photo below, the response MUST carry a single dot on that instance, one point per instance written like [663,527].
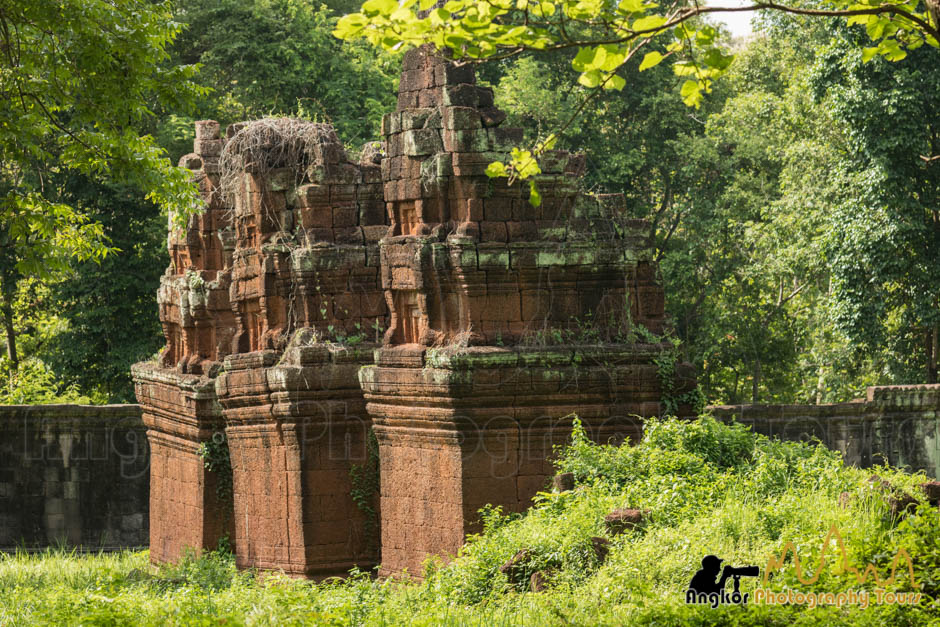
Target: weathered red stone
[621,520]
[177,393]
[507,318]
[309,307]
[297,265]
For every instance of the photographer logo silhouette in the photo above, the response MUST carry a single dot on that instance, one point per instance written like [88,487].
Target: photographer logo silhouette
[705,590]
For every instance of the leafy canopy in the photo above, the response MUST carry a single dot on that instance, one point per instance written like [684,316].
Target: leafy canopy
[607,35]
[77,78]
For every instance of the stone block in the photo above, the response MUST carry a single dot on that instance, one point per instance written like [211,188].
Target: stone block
[461,95]
[621,520]
[461,118]
[421,142]
[207,130]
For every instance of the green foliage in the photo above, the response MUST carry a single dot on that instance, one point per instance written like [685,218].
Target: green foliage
[365,480]
[278,57]
[725,446]
[34,383]
[99,315]
[77,80]
[885,233]
[108,308]
[217,459]
[606,36]
[212,571]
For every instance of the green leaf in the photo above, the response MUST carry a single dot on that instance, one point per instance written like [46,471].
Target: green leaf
[869,53]
[649,22]
[496,169]
[548,144]
[876,28]
[583,59]
[716,59]
[379,7]
[615,82]
[613,57]
[651,59]
[535,198]
[630,6]
[546,9]
[691,93]
[591,78]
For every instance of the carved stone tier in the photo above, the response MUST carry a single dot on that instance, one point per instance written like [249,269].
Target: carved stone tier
[193,298]
[188,507]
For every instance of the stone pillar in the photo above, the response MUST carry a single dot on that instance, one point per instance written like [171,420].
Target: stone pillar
[507,317]
[189,508]
[177,393]
[309,309]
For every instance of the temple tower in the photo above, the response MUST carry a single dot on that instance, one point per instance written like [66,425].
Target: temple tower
[507,317]
[309,309]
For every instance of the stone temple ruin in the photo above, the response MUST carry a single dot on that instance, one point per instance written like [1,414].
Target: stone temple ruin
[321,310]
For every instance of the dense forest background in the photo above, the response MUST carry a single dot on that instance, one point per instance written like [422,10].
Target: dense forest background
[796,222]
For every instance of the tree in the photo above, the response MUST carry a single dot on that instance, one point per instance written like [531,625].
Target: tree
[93,317]
[108,309]
[77,78]
[883,240]
[263,57]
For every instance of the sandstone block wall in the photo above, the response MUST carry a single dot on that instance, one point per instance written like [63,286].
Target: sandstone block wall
[899,425]
[73,475]
[187,506]
[309,308]
[177,393]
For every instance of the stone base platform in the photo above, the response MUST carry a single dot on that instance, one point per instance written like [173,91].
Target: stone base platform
[298,432]
[187,508]
[460,428]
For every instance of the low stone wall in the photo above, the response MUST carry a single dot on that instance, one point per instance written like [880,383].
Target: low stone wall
[75,475]
[899,425]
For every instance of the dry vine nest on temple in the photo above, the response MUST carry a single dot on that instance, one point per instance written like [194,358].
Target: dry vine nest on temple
[261,146]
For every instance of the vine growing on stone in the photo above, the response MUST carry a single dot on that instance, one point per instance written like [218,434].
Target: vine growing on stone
[666,370]
[216,458]
[365,486]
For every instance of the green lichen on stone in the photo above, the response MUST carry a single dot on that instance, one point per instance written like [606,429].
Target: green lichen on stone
[547,258]
[422,142]
[491,258]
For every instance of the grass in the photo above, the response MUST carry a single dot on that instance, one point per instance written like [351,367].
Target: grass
[710,489]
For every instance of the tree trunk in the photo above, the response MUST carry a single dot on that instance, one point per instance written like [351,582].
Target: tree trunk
[931,346]
[11,335]
[6,309]
[820,383]
[755,384]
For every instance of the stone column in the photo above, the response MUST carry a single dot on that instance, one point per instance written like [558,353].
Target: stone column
[309,307]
